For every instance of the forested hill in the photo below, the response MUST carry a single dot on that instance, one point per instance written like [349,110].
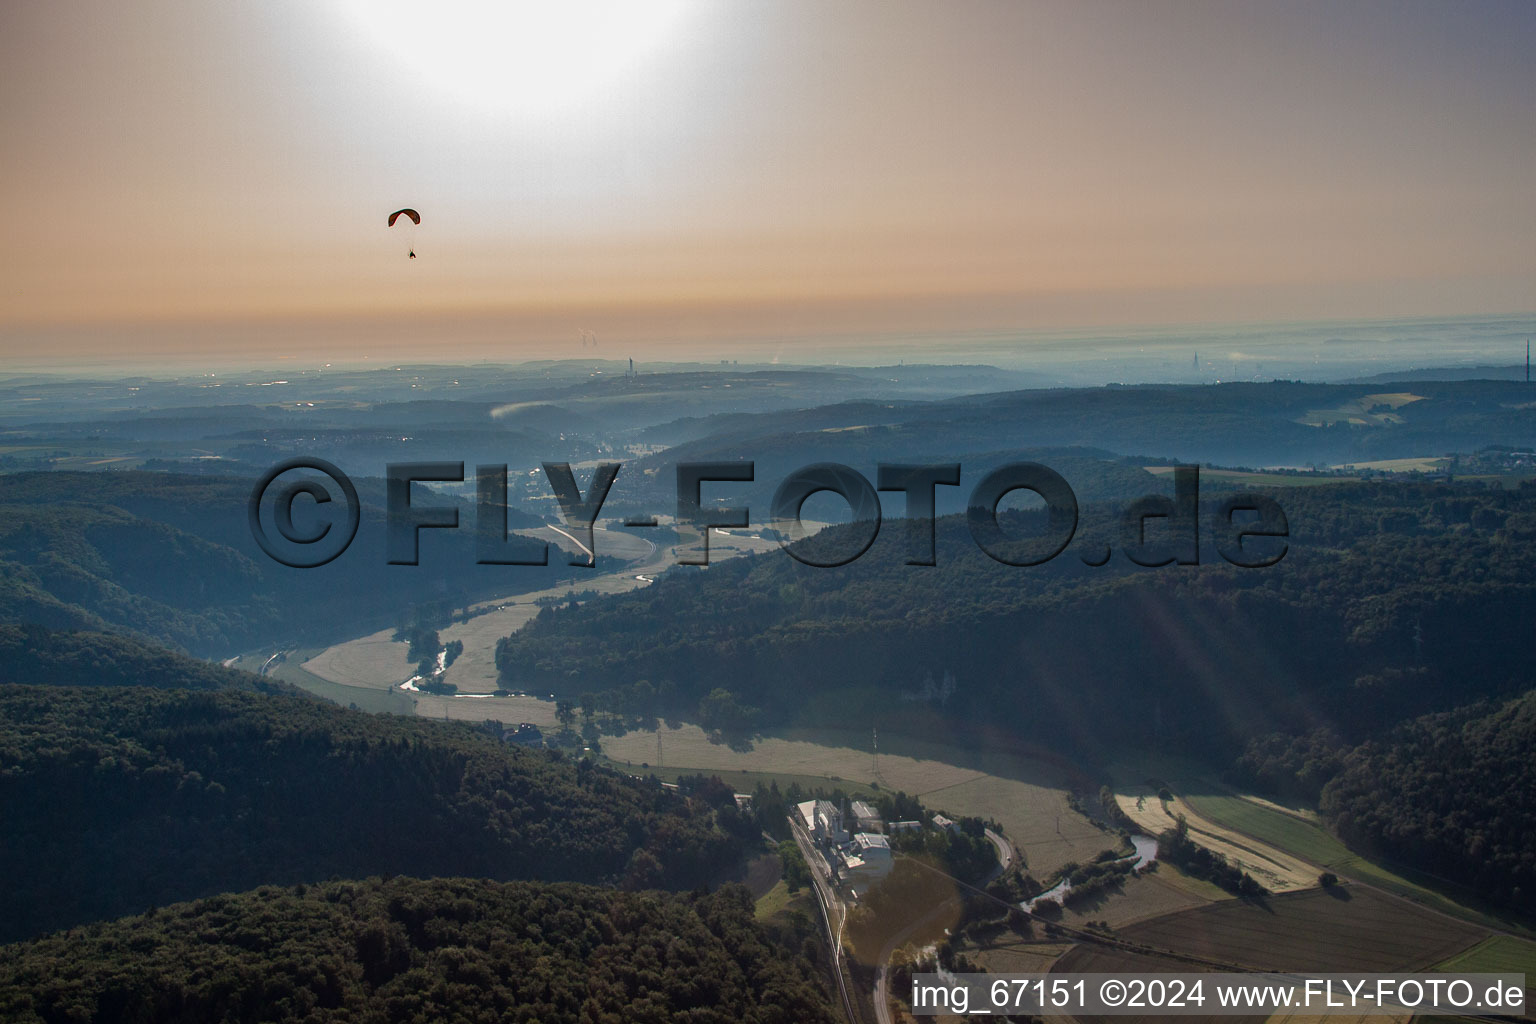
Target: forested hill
[172,558]
[121,798]
[35,655]
[1421,587]
[418,952]
[1450,793]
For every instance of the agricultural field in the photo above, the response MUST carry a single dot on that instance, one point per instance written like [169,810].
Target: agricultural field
[1273,868]
[1348,928]
[508,710]
[1030,801]
[376,662]
[293,671]
[1019,957]
[1292,831]
[1367,410]
[1500,954]
[1287,832]
[1143,897]
[1423,464]
[1497,955]
[1269,823]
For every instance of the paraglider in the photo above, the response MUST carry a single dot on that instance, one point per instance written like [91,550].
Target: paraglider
[415,219]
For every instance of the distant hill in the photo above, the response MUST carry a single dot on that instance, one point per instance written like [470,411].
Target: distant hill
[121,798]
[1280,423]
[408,950]
[1515,372]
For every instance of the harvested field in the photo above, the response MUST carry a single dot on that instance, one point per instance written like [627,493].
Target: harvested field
[511,710]
[1350,928]
[375,662]
[1272,867]
[1018,957]
[1142,898]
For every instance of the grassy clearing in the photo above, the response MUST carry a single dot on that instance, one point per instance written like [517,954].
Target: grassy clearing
[779,901]
[509,710]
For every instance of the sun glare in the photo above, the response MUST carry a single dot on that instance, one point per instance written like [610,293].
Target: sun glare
[521,57]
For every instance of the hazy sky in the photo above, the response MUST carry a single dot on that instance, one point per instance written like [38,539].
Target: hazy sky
[701,168]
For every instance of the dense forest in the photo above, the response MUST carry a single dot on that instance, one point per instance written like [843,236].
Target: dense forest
[1451,794]
[420,952]
[1420,588]
[119,799]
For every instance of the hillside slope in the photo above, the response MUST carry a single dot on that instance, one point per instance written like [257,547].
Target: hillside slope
[414,951]
[118,799]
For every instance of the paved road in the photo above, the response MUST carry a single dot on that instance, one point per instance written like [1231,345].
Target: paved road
[1004,853]
[882,972]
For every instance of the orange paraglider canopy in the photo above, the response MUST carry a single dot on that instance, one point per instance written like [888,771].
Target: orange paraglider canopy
[415,217]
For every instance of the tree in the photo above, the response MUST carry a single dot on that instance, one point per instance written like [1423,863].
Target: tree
[796,872]
[722,711]
[565,714]
[1328,879]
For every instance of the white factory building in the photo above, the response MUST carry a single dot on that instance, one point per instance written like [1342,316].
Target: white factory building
[858,860]
[864,861]
[867,817]
[823,821]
